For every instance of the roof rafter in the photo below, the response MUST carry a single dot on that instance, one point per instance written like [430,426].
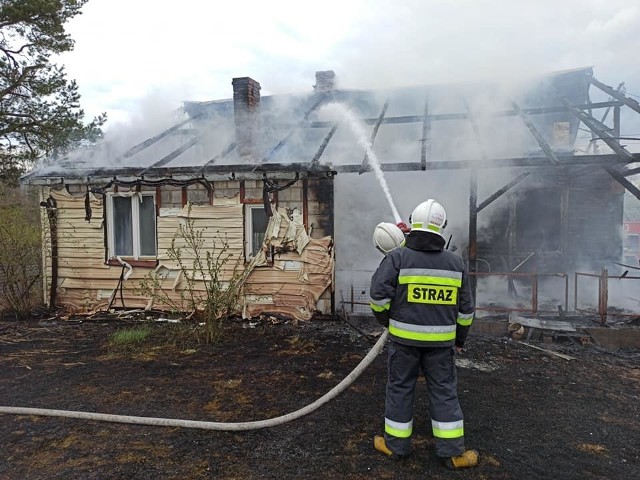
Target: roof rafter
[276,148]
[463,116]
[546,148]
[365,161]
[172,156]
[150,141]
[597,127]
[629,102]
[316,158]
[425,149]
[566,160]
[502,191]
[611,141]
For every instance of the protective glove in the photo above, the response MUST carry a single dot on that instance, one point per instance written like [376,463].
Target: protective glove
[382,318]
[403,226]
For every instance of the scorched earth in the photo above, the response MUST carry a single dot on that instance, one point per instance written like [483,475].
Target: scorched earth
[530,414]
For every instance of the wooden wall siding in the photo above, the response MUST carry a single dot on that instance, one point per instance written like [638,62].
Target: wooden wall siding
[46,247]
[219,224]
[293,283]
[80,248]
[87,283]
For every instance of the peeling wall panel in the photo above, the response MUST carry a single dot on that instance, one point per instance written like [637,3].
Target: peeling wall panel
[293,291]
[299,275]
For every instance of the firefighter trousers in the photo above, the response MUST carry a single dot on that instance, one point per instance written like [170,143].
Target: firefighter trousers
[439,370]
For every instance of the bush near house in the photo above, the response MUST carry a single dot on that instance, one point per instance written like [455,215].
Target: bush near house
[20,252]
[204,287]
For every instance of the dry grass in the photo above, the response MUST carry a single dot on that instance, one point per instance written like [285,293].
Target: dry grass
[593,448]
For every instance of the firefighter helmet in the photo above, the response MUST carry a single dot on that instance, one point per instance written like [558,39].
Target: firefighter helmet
[429,216]
[387,236]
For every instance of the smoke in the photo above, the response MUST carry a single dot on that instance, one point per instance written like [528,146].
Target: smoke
[364,204]
[364,142]
[456,47]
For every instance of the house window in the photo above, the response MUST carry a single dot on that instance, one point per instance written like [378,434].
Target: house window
[131,223]
[256,221]
[539,220]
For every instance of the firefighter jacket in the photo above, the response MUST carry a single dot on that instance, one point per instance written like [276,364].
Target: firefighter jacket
[422,293]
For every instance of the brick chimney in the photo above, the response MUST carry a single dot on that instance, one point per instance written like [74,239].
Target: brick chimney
[325,81]
[246,110]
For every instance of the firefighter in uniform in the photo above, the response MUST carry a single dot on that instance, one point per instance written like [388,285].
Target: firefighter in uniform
[421,293]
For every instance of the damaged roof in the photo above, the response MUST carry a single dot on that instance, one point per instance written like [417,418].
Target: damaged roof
[305,134]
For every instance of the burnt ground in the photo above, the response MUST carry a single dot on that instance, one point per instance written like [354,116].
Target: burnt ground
[531,415]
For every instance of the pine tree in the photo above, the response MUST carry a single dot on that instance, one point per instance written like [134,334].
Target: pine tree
[40,114]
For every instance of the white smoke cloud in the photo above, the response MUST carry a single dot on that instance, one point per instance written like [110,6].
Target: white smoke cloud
[194,51]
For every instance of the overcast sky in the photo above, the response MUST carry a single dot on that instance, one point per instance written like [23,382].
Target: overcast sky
[134,57]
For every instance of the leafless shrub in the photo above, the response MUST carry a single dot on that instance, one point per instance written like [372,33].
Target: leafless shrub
[206,288]
[20,252]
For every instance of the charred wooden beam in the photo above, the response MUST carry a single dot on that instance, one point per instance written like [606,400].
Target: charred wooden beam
[566,160]
[502,191]
[622,180]
[598,128]
[537,135]
[365,161]
[473,229]
[247,171]
[473,203]
[147,143]
[51,207]
[316,158]
[169,158]
[278,146]
[425,151]
[464,116]
[230,148]
[512,291]
[630,171]
[616,122]
[305,204]
[629,102]
[608,109]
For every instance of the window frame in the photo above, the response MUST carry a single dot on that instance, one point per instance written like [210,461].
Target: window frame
[248,228]
[135,226]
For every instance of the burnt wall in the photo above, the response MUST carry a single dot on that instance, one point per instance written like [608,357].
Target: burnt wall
[594,225]
[558,220]
[320,203]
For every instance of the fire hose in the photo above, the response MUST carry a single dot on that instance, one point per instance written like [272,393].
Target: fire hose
[220,426]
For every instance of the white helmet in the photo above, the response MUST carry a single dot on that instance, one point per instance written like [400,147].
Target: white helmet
[387,236]
[429,216]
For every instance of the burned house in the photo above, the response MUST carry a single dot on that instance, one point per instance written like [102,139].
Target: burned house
[293,188]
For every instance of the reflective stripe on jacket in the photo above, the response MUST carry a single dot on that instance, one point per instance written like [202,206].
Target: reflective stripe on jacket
[425,292]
